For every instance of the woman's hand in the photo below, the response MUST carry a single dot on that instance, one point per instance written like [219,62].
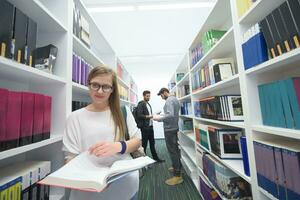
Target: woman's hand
[104,148]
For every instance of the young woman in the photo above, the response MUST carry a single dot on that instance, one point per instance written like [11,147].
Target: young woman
[99,128]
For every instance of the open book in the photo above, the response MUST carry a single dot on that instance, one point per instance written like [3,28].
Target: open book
[85,173]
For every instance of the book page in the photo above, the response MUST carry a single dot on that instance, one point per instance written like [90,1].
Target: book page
[83,167]
[121,166]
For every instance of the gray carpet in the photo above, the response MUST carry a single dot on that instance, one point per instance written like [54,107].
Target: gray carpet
[152,184]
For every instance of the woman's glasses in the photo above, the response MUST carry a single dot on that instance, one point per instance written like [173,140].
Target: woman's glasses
[96,86]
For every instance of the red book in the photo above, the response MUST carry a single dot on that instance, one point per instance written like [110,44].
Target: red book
[47,117]
[296,82]
[3,111]
[13,119]
[26,118]
[38,118]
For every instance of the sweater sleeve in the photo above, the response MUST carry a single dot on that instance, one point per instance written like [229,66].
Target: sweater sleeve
[71,137]
[169,111]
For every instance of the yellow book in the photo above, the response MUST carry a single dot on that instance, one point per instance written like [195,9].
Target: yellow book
[239,7]
[3,192]
[18,190]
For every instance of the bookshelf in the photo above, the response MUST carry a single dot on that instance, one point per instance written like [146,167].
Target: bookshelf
[245,82]
[55,26]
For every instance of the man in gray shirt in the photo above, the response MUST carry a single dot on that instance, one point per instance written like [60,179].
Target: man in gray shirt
[170,120]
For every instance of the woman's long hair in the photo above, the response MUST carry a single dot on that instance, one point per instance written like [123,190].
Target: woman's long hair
[114,99]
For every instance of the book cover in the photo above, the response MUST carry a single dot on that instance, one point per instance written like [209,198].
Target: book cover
[3,114]
[38,118]
[291,26]
[26,118]
[20,35]
[30,42]
[13,119]
[47,117]
[86,174]
[7,15]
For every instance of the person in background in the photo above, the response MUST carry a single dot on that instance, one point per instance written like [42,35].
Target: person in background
[99,128]
[145,122]
[170,121]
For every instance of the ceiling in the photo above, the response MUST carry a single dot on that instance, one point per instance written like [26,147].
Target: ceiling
[154,40]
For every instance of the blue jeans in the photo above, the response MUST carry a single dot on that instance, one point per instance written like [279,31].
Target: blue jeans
[135,197]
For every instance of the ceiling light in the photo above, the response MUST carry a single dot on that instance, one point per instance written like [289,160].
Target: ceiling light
[176,6]
[143,7]
[112,9]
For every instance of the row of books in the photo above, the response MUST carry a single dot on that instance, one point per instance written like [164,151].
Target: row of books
[254,47]
[76,105]
[81,27]
[279,103]
[179,76]
[18,35]
[186,108]
[123,92]
[208,40]
[19,181]
[208,192]
[25,118]
[278,167]
[183,90]
[281,28]
[229,184]
[225,108]
[185,124]
[217,70]
[80,70]
[221,141]
[122,73]
[133,85]
[243,6]
[133,97]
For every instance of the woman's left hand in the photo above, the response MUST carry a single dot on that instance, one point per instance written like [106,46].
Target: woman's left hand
[104,148]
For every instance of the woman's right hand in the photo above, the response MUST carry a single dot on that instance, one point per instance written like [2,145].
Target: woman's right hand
[104,148]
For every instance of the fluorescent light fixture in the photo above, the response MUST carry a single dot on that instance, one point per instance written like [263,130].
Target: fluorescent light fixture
[112,9]
[143,7]
[176,6]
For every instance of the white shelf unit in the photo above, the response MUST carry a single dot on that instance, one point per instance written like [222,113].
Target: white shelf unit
[245,82]
[54,26]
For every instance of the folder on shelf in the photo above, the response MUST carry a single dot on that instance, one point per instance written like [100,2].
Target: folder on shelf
[47,117]
[268,37]
[278,106]
[82,77]
[289,121]
[294,6]
[290,24]
[30,42]
[3,114]
[74,68]
[245,155]
[38,118]
[291,155]
[26,118]
[294,104]
[275,35]
[280,173]
[20,35]
[283,31]
[13,119]
[7,14]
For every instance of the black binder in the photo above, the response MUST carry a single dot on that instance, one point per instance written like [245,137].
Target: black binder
[268,37]
[20,35]
[275,33]
[290,24]
[30,41]
[295,10]
[282,28]
[7,14]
